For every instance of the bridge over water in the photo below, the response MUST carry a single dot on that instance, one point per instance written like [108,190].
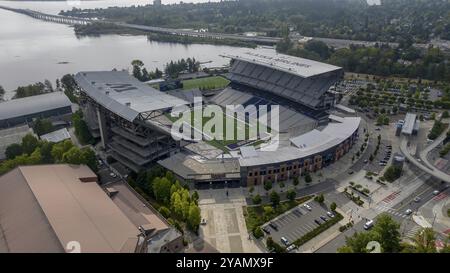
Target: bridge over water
[50,17]
[170,31]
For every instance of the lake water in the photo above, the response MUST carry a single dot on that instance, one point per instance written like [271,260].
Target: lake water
[33,50]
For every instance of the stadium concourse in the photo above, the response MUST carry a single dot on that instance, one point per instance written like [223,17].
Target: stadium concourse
[134,123]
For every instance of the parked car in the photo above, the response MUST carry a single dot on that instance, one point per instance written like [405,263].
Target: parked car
[330,214]
[417,199]
[308,207]
[266,230]
[284,241]
[365,161]
[323,218]
[436,192]
[274,226]
[203,222]
[291,247]
[317,221]
[113,175]
[368,225]
[350,172]
[408,211]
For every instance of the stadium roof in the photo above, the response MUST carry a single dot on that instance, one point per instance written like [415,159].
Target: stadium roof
[45,207]
[32,105]
[123,94]
[408,127]
[294,65]
[307,144]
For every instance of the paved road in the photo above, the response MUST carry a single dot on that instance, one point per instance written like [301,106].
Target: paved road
[397,212]
[427,167]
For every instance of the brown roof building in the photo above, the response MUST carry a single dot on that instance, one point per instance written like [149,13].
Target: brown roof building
[46,208]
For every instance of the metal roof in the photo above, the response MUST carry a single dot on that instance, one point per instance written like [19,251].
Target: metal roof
[56,136]
[123,94]
[71,210]
[316,142]
[294,65]
[32,105]
[408,127]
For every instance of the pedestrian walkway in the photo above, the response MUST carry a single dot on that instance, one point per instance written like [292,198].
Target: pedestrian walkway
[389,210]
[391,197]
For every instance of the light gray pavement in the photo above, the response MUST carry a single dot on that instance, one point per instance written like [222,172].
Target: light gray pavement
[225,228]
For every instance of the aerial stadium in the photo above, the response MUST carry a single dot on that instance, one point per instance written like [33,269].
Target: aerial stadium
[134,122]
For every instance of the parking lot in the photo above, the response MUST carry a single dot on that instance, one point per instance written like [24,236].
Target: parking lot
[295,223]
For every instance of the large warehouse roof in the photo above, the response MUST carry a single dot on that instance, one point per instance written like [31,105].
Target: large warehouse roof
[45,207]
[32,105]
[294,65]
[123,94]
[307,144]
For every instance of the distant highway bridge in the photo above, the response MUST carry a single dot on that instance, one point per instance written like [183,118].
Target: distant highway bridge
[50,17]
[171,31]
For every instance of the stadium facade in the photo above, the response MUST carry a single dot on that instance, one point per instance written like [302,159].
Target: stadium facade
[130,118]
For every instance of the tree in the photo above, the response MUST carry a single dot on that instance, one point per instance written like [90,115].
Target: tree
[308,178]
[88,158]
[194,216]
[29,143]
[2,92]
[445,114]
[388,233]
[195,197]
[320,198]
[296,181]
[137,65]
[425,241]
[267,185]
[59,149]
[291,194]
[13,150]
[161,189]
[358,242]
[392,173]
[333,206]
[165,212]
[275,198]
[256,199]
[258,233]
[42,126]
[81,129]
[268,211]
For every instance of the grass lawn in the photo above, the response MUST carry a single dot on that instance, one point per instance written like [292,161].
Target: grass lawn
[208,83]
[255,216]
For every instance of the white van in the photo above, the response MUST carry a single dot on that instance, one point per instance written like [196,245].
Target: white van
[368,224]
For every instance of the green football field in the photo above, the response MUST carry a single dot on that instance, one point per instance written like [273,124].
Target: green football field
[240,126]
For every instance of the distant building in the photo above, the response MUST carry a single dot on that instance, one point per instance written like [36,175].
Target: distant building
[21,111]
[409,127]
[49,208]
[56,136]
